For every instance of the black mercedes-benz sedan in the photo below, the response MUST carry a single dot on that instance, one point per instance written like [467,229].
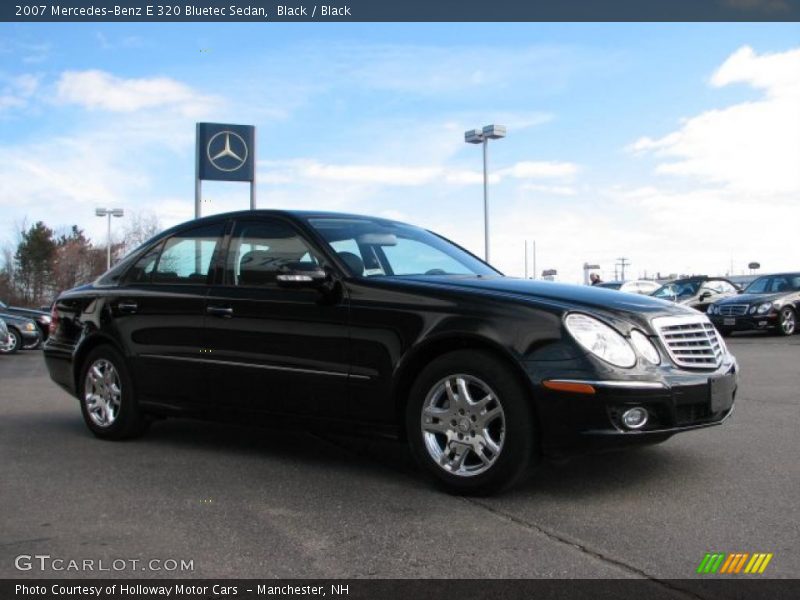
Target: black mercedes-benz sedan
[41,318]
[771,302]
[697,292]
[333,321]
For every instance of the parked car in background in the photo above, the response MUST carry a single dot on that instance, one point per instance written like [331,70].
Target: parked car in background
[330,320]
[40,317]
[23,333]
[770,302]
[5,338]
[638,286]
[697,292]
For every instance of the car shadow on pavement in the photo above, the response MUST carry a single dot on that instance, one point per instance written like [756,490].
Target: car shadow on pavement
[586,475]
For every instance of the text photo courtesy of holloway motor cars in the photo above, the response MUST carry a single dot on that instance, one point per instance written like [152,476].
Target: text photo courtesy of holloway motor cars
[399,300]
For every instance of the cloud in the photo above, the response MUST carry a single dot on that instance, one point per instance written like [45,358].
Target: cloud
[98,90]
[18,90]
[285,172]
[540,170]
[750,147]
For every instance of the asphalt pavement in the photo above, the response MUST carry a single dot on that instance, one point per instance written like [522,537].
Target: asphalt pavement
[245,502]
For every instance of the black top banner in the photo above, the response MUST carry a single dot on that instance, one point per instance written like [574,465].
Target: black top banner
[400,10]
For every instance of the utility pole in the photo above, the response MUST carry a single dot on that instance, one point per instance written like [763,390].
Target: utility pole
[622,262]
[534,260]
[526,259]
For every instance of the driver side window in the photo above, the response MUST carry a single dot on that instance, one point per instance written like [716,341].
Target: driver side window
[259,250]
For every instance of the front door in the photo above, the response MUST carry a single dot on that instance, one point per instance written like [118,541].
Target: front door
[275,348]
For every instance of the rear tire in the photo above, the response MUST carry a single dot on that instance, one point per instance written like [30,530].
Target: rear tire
[106,393]
[470,424]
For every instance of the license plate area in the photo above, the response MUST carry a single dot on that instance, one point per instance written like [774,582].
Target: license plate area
[720,391]
[730,321]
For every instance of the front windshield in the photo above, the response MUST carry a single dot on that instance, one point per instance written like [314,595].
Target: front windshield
[377,248]
[686,289]
[774,284]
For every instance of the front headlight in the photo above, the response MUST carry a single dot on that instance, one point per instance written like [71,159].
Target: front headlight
[711,309]
[30,327]
[600,339]
[764,308]
[645,347]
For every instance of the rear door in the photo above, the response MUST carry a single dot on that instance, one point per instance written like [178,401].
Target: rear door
[160,314]
[274,348]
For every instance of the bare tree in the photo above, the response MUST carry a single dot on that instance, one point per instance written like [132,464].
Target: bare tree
[140,226]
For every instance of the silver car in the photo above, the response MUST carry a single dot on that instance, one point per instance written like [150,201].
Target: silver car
[5,339]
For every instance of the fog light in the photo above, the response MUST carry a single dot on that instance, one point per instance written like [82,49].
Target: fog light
[634,418]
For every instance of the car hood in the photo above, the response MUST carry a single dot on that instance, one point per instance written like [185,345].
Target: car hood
[752,298]
[28,312]
[12,318]
[560,293]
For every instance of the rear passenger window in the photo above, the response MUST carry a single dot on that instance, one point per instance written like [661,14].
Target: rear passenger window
[186,258]
[144,267]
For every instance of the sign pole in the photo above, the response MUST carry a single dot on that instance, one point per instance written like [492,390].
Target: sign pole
[198,185]
[253,182]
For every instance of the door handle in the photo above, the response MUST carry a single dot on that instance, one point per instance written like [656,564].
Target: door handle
[127,306]
[225,312]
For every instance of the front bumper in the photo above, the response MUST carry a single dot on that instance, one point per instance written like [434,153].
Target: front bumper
[30,338]
[573,423]
[745,322]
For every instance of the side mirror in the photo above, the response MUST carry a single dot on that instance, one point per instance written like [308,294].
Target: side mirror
[705,295]
[302,275]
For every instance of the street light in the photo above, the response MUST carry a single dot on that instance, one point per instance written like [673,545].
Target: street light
[482,136]
[109,212]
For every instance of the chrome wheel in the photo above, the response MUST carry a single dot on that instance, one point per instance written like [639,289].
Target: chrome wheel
[788,321]
[102,392]
[13,344]
[463,425]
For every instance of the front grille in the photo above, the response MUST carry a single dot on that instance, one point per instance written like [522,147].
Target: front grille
[691,341]
[733,310]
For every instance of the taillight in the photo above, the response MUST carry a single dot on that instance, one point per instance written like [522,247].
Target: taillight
[53,320]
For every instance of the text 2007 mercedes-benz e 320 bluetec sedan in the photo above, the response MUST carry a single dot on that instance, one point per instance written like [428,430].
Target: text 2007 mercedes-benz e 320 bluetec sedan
[335,320]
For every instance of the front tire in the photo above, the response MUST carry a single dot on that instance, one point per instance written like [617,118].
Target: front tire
[470,423]
[108,402]
[34,346]
[787,321]
[13,344]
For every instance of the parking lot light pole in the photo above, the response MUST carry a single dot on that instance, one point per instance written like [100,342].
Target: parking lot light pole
[109,212]
[482,136]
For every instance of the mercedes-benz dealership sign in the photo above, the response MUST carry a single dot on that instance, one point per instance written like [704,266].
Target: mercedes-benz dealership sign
[225,152]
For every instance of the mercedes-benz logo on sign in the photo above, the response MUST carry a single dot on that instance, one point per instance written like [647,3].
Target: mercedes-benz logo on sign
[227,151]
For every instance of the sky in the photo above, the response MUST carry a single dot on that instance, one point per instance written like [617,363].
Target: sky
[676,146]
